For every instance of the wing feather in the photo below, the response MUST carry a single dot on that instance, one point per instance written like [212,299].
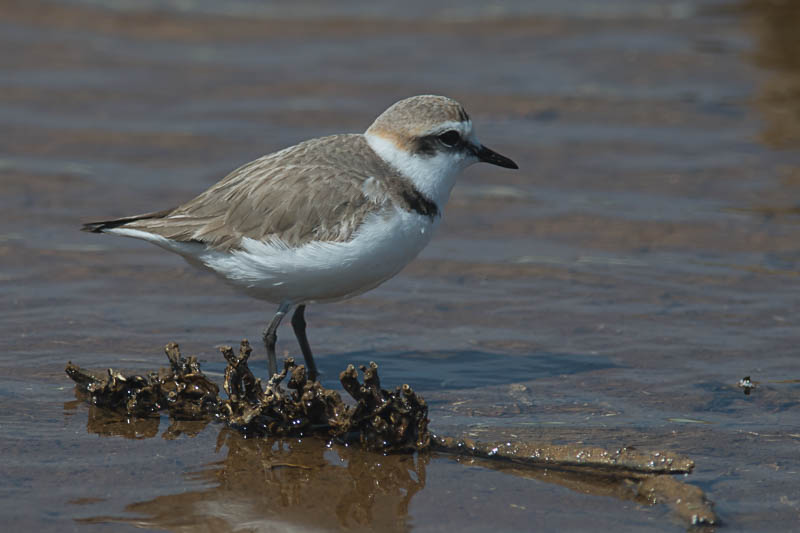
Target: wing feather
[311,191]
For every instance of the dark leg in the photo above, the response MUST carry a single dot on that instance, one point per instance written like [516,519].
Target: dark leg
[299,325]
[271,336]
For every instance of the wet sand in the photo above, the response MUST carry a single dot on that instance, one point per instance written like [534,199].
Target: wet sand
[642,261]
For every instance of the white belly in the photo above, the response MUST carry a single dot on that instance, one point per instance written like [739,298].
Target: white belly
[323,271]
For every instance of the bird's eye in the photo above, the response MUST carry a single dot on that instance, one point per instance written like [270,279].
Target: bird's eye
[450,138]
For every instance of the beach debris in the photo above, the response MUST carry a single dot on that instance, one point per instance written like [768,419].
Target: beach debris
[386,421]
[182,389]
[687,502]
[381,420]
[623,479]
[568,456]
[747,385]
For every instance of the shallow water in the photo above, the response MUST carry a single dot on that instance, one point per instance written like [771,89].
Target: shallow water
[611,292]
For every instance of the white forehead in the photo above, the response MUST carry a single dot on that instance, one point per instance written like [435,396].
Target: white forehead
[463,127]
[459,125]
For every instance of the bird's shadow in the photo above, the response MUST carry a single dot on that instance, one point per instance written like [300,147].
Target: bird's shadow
[461,369]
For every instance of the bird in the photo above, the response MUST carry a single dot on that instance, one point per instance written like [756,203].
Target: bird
[326,219]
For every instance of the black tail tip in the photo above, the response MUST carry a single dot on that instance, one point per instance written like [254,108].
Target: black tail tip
[93,227]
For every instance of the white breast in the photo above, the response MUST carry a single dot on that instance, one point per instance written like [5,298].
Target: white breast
[323,271]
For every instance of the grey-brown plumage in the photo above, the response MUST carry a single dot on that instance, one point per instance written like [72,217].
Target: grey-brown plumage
[325,219]
[313,191]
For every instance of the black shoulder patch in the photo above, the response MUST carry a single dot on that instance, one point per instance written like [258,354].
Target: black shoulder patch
[417,202]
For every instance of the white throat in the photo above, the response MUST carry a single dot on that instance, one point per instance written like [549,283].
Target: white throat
[433,176]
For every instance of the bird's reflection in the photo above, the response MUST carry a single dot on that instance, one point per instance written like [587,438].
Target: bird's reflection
[270,484]
[263,484]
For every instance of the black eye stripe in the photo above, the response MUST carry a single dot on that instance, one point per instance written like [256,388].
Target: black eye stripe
[426,146]
[430,145]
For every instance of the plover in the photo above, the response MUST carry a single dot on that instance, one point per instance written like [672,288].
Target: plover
[326,219]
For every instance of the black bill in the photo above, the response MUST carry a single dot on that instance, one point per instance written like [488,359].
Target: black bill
[490,156]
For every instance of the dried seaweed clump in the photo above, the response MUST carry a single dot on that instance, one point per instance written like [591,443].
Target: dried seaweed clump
[304,408]
[182,389]
[395,420]
[379,420]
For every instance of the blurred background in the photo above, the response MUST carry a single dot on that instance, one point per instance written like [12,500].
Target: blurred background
[613,291]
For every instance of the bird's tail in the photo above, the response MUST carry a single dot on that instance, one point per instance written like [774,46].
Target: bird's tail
[100,227]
